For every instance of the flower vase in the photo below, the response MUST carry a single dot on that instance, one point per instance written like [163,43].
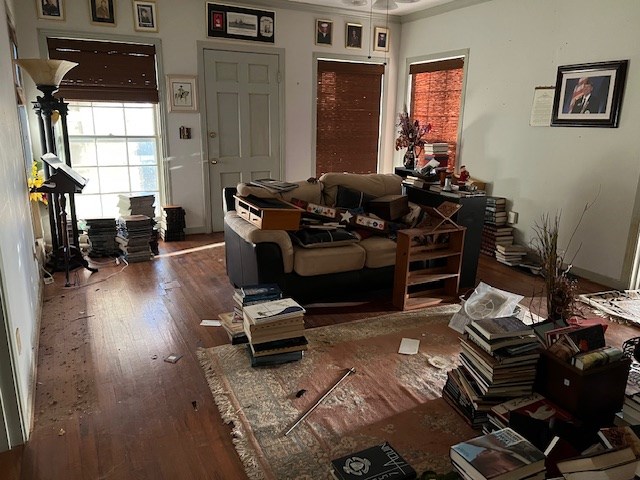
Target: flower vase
[410,157]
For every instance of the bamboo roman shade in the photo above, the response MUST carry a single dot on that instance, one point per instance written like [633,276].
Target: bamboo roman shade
[108,71]
[348,116]
[436,91]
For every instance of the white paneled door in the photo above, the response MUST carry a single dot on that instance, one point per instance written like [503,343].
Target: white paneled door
[243,121]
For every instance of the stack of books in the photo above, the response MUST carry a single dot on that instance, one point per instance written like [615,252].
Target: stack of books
[503,454]
[495,211]
[134,234]
[141,204]
[234,329]
[607,464]
[251,295]
[102,237]
[511,254]
[275,330]
[630,413]
[437,151]
[498,362]
[493,235]
[172,224]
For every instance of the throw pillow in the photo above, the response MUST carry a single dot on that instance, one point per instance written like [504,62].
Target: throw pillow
[350,198]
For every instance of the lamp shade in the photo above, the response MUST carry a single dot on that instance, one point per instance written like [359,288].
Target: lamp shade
[46,72]
[385,5]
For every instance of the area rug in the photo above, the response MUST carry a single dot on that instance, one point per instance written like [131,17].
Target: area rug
[391,397]
[620,304]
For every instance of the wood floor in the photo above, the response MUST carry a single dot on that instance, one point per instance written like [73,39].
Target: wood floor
[108,407]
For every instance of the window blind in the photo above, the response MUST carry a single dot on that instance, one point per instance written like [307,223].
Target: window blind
[436,92]
[348,116]
[108,71]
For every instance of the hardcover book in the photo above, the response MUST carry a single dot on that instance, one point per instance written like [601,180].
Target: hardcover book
[596,358]
[374,463]
[502,327]
[273,310]
[600,460]
[500,455]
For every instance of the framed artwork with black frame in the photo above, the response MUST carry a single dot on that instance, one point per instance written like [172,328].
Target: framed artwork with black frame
[50,9]
[103,12]
[324,32]
[589,94]
[353,36]
[240,23]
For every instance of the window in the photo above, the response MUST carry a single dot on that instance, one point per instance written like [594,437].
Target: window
[436,93]
[348,116]
[115,146]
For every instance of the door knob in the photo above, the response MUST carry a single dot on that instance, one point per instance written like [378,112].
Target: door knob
[214,161]
[213,134]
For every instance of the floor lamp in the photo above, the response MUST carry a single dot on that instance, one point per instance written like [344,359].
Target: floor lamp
[47,75]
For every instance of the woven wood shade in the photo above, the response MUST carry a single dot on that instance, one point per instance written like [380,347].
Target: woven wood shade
[436,91]
[108,71]
[348,111]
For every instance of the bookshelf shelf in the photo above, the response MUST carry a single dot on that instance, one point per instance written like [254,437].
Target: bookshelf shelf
[427,267]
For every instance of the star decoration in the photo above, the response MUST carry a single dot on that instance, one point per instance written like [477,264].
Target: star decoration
[345,217]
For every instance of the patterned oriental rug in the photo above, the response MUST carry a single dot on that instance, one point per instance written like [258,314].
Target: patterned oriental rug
[391,397]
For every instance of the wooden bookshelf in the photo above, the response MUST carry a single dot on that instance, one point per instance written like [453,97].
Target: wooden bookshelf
[427,269]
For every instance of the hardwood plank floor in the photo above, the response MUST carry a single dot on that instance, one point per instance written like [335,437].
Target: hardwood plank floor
[108,406]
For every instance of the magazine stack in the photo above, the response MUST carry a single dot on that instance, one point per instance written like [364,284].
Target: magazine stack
[134,234]
[141,204]
[102,237]
[172,224]
[498,362]
[275,330]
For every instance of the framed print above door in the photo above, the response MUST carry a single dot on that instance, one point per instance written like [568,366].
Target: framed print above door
[50,9]
[589,94]
[144,16]
[103,12]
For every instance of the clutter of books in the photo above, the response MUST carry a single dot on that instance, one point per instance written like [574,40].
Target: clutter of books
[545,397]
[137,237]
[271,326]
[172,223]
[497,236]
[101,233]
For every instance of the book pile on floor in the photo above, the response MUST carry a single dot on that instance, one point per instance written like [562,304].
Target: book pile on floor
[511,255]
[252,294]
[140,204]
[615,463]
[134,234]
[172,224]
[630,413]
[275,330]
[498,362]
[496,212]
[102,237]
[378,462]
[503,454]
[495,230]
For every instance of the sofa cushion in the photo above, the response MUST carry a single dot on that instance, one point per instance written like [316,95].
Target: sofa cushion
[381,252]
[307,191]
[320,238]
[376,184]
[349,198]
[320,261]
[252,234]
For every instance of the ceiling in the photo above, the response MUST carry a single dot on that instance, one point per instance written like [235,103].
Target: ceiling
[404,8]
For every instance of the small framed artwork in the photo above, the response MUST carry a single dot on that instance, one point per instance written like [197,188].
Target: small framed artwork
[144,16]
[353,36]
[589,94]
[50,9]
[103,12]
[381,39]
[182,92]
[324,32]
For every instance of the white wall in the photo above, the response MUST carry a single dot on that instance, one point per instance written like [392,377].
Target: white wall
[181,25]
[516,45]
[19,275]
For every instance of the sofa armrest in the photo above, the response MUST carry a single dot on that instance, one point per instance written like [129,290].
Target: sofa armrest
[252,234]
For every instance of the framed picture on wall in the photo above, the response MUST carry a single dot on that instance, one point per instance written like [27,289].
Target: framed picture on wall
[144,16]
[50,9]
[589,94]
[353,36]
[182,92]
[103,12]
[381,39]
[324,32]
[240,23]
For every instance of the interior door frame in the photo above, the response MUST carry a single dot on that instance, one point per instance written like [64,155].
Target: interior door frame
[222,46]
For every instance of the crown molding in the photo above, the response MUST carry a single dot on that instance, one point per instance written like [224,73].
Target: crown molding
[440,9]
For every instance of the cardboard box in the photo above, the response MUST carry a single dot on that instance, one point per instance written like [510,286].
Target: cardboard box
[389,207]
[269,213]
[593,395]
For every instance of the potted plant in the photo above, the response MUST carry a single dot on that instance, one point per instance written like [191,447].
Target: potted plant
[411,135]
